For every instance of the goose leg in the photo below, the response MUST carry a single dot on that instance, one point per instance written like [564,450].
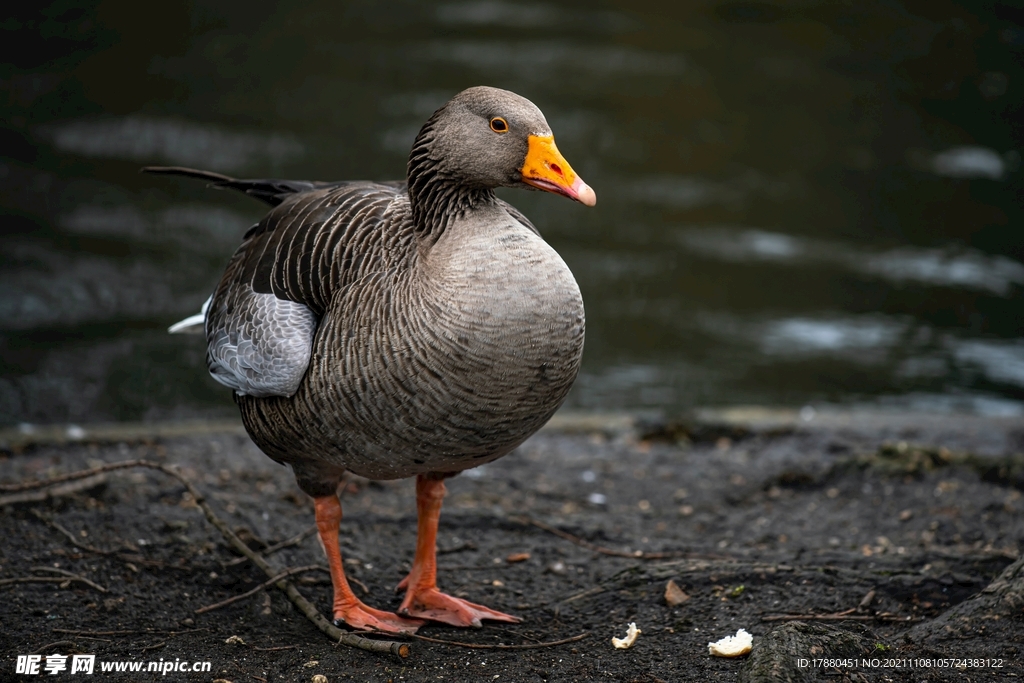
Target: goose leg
[422,598]
[347,607]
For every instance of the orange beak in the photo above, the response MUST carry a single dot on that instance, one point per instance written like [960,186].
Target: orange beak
[546,169]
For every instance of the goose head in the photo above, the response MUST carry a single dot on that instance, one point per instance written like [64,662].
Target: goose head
[485,138]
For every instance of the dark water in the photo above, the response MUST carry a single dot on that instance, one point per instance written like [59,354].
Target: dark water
[799,203]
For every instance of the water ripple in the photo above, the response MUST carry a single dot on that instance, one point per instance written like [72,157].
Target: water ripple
[691,191]
[530,15]
[186,143]
[796,336]
[548,60]
[1000,361]
[197,227]
[951,266]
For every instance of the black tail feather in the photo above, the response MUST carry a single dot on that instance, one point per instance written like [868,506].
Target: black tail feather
[272,192]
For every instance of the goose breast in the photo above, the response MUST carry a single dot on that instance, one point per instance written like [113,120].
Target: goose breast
[451,363]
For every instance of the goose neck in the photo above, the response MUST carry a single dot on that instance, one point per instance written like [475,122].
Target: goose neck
[438,201]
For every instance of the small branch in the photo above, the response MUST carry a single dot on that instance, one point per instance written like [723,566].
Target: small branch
[275,649]
[75,476]
[97,633]
[465,545]
[468,567]
[257,589]
[71,575]
[32,579]
[54,492]
[492,627]
[482,646]
[124,557]
[155,646]
[846,615]
[126,633]
[102,640]
[307,608]
[50,579]
[46,647]
[362,586]
[634,555]
[596,590]
[277,546]
[71,537]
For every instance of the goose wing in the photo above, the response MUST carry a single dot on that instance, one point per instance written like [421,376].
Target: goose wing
[276,290]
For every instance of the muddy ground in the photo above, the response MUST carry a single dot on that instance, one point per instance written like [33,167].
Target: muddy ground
[891,537]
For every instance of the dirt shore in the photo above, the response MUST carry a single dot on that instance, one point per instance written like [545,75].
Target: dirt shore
[884,544]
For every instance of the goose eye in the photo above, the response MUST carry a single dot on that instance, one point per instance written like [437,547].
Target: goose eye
[499,125]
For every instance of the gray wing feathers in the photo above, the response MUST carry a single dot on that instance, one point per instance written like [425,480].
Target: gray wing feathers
[265,311]
[263,349]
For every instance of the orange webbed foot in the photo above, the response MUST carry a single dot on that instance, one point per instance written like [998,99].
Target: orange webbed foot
[430,603]
[365,618]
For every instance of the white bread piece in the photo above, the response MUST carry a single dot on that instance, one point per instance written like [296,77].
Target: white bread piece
[631,633]
[732,646]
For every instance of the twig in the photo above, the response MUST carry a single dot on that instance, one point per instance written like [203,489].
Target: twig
[311,613]
[55,492]
[71,537]
[257,589]
[465,545]
[50,579]
[482,646]
[838,616]
[71,476]
[127,633]
[362,586]
[512,633]
[71,575]
[155,646]
[816,617]
[46,647]
[275,649]
[32,579]
[99,551]
[635,555]
[468,567]
[295,540]
[102,640]
[92,633]
[596,590]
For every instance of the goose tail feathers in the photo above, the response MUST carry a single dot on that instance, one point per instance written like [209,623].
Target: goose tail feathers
[272,192]
[194,324]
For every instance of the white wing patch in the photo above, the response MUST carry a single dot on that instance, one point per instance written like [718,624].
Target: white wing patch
[264,348]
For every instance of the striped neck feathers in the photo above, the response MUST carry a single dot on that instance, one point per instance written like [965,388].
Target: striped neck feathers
[438,196]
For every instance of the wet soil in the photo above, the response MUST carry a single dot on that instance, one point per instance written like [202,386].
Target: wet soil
[856,537]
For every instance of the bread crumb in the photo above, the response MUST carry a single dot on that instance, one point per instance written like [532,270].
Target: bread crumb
[732,646]
[631,633]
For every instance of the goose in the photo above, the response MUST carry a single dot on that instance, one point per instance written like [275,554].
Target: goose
[400,329]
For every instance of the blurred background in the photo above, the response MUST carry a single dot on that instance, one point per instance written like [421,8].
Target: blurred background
[800,203]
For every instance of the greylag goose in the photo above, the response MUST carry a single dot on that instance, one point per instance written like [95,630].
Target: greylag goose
[399,329]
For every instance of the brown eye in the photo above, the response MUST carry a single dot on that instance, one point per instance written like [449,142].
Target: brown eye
[499,125]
